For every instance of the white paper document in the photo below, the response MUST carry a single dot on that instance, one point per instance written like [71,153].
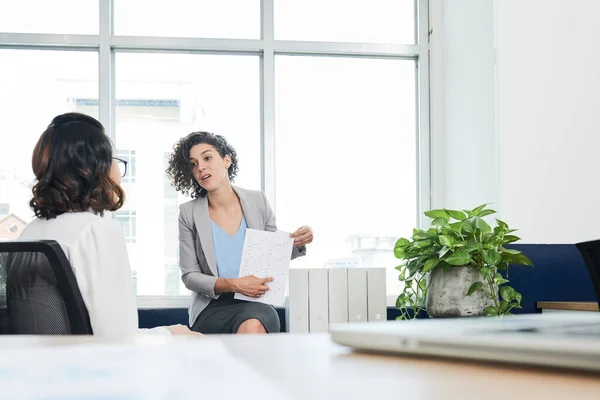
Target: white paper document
[267,254]
[192,370]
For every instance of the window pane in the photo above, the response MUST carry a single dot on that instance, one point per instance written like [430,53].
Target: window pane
[56,16]
[160,98]
[36,86]
[238,19]
[346,157]
[372,21]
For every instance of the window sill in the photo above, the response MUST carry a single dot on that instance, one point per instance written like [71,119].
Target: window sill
[163,301]
[184,301]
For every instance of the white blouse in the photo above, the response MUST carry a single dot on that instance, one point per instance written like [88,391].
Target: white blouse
[96,249]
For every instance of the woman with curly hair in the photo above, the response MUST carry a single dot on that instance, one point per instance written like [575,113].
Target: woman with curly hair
[77,180]
[212,229]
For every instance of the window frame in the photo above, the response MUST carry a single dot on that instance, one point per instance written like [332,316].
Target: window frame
[107,45]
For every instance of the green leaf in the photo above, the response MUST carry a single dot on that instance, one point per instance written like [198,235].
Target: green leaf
[458,215]
[520,259]
[430,264]
[518,298]
[411,252]
[488,239]
[437,214]
[402,242]
[459,258]
[439,221]
[420,235]
[401,301]
[490,311]
[507,293]
[492,257]
[510,251]
[481,225]
[420,244]
[487,212]
[443,251]
[399,252]
[510,239]
[400,318]
[467,226]
[504,306]
[456,226]
[400,267]
[485,271]
[499,279]
[446,241]
[413,267]
[471,246]
[474,287]
[475,211]
[501,224]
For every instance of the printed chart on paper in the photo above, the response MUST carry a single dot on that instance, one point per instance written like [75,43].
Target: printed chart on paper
[267,254]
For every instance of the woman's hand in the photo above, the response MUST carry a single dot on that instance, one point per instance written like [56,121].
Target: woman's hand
[251,286]
[303,236]
[182,330]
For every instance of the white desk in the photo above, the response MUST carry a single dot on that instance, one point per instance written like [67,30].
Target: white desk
[312,367]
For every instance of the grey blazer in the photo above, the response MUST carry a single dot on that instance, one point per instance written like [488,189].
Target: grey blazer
[196,252]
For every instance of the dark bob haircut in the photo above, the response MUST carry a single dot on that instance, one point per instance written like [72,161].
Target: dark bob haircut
[72,162]
[180,170]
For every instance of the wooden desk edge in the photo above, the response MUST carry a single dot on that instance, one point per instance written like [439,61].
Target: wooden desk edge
[568,305]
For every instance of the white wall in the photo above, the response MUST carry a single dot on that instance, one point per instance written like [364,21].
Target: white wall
[463,143]
[548,61]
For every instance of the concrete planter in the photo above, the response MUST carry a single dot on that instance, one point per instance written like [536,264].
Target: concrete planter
[447,295]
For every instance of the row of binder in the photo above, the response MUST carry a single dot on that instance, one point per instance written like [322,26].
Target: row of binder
[323,296]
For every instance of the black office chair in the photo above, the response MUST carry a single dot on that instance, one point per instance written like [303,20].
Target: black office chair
[38,291]
[590,251]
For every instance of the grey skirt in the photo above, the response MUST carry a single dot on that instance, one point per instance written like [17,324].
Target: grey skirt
[226,314]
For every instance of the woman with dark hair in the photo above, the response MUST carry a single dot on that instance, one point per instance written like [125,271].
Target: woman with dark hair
[212,229]
[77,180]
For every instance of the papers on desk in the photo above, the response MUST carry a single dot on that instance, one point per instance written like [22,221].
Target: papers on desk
[267,254]
[190,369]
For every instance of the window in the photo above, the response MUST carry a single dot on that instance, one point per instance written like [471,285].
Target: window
[214,93]
[129,157]
[164,111]
[56,16]
[372,21]
[324,100]
[36,85]
[172,280]
[171,218]
[127,218]
[238,19]
[356,162]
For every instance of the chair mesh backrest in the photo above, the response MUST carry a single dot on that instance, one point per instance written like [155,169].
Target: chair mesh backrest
[33,299]
[590,251]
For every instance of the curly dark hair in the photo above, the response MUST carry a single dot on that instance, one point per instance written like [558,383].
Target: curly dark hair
[72,162]
[180,168]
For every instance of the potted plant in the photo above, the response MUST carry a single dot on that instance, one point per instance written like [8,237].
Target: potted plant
[453,268]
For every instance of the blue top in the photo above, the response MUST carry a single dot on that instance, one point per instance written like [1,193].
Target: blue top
[228,249]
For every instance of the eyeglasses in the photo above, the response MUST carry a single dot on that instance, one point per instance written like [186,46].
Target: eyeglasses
[122,164]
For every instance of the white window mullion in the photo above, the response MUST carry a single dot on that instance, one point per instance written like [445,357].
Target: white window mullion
[423,133]
[106,93]
[268,101]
